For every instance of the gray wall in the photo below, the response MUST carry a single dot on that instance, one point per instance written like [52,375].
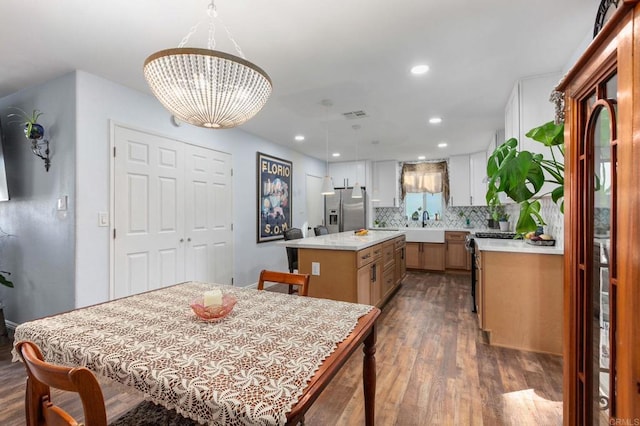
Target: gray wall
[40,254]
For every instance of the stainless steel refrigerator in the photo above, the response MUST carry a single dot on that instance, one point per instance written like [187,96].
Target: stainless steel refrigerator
[344,213]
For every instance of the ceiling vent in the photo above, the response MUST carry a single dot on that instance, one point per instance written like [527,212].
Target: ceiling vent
[354,115]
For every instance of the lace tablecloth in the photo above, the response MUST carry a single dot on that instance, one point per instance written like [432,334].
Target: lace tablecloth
[248,368]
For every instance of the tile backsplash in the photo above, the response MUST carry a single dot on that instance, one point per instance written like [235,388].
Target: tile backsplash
[455,217]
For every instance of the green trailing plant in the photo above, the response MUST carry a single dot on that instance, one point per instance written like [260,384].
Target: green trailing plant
[521,175]
[29,120]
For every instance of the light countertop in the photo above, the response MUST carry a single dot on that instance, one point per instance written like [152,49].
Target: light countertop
[343,240]
[515,246]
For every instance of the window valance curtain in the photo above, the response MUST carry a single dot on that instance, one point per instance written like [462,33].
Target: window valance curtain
[425,177]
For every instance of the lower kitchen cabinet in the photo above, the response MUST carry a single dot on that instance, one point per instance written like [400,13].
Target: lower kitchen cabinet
[457,256]
[520,300]
[427,256]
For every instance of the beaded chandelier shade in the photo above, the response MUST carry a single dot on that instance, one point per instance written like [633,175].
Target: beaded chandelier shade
[205,87]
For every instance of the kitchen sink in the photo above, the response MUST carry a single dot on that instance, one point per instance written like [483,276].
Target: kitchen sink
[424,235]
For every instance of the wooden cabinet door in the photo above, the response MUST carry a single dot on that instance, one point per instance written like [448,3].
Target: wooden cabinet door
[364,284]
[457,256]
[413,253]
[400,265]
[376,283]
[388,282]
[433,256]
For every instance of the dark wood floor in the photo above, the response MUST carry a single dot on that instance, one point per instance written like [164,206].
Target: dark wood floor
[434,368]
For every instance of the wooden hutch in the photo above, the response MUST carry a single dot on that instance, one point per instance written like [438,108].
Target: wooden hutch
[602,226]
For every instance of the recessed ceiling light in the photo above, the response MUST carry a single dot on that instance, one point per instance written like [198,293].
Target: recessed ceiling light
[299,138]
[336,154]
[435,120]
[442,145]
[419,69]
[421,157]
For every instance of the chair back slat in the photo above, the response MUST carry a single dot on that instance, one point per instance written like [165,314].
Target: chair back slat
[300,280]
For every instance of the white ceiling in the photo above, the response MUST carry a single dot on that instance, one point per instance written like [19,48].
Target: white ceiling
[356,53]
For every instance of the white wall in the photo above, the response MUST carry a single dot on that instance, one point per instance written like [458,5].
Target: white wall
[98,102]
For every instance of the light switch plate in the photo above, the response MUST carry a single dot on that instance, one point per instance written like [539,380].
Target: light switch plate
[62,203]
[103,219]
[315,268]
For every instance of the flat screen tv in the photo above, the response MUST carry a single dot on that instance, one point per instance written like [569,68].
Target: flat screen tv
[4,190]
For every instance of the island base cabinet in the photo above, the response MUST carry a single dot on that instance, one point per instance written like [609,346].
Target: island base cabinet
[350,276]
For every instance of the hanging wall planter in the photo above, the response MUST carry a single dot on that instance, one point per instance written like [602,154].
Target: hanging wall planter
[35,133]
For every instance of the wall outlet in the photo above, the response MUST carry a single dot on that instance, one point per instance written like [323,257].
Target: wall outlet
[315,268]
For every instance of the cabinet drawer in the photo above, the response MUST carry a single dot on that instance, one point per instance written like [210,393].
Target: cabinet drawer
[455,236]
[364,257]
[399,242]
[368,255]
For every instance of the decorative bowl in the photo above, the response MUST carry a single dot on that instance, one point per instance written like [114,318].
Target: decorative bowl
[213,312]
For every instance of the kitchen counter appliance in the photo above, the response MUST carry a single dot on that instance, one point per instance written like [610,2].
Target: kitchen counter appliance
[344,213]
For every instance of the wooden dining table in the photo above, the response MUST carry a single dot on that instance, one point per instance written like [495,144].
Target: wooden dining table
[266,362]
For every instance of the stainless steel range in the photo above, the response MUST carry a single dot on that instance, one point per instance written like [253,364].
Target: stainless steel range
[499,235]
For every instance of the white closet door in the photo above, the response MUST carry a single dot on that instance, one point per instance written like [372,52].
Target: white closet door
[149,212]
[208,201]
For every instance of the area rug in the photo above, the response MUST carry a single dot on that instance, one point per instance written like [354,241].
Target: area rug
[149,414]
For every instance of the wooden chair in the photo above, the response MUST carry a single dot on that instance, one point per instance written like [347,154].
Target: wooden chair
[40,411]
[292,252]
[298,280]
[42,376]
[321,230]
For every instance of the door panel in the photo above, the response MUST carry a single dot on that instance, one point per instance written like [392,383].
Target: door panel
[147,222]
[209,254]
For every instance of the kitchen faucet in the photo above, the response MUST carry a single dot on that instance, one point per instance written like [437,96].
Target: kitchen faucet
[425,218]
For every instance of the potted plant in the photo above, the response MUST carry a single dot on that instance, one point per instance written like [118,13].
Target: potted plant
[32,130]
[521,175]
[503,221]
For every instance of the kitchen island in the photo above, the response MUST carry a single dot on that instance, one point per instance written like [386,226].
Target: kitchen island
[520,294]
[353,268]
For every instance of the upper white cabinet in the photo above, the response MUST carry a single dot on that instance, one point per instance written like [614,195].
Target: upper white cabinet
[467,179]
[529,107]
[478,178]
[347,173]
[459,189]
[386,184]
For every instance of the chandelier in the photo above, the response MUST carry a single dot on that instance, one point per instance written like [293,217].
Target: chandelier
[205,87]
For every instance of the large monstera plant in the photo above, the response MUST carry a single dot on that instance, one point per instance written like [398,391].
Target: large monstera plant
[522,174]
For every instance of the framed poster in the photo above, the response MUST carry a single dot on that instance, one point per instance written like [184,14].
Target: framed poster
[274,197]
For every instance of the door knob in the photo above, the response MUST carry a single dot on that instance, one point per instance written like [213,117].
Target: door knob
[189,239]
[182,240]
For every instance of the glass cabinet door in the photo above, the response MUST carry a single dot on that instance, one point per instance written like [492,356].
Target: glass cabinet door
[597,267]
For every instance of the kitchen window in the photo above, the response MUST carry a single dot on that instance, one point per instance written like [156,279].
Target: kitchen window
[423,202]
[425,188]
